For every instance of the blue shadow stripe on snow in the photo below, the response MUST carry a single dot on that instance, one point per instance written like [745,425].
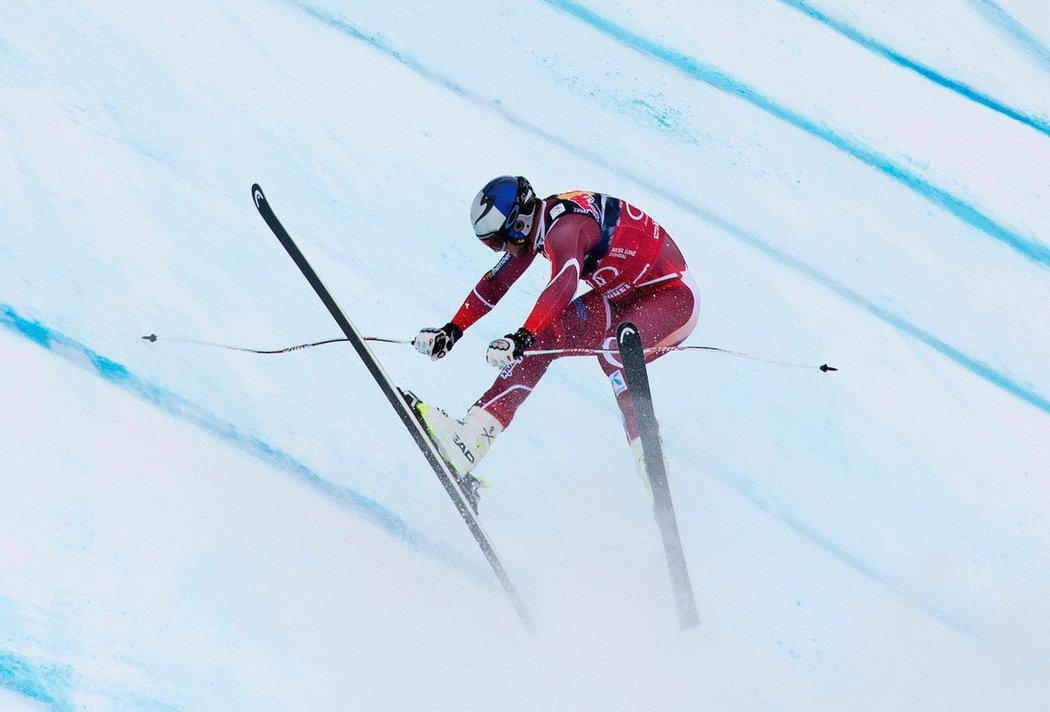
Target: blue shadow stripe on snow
[873,45]
[1014,387]
[58,686]
[181,408]
[336,22]
[1028,247]
[978,368]
[996,15]
[36,681]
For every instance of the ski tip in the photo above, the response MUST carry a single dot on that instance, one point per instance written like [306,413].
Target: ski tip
[626,329]
[825,368]
[257,195]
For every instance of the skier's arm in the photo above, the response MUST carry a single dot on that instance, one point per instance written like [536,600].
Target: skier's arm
[437,342]
[566,245]
[490,289]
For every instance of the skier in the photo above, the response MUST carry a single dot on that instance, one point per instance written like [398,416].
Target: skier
[636,273]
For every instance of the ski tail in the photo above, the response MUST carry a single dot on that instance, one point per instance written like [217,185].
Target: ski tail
[633,357]
[398,403]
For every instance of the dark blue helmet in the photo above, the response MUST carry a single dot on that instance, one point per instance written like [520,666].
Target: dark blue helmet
[502,211]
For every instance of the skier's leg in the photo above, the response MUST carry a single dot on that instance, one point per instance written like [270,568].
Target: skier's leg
[582,325]
[463,442]
[664,318]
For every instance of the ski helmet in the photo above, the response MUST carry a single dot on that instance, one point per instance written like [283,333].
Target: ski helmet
[502,211]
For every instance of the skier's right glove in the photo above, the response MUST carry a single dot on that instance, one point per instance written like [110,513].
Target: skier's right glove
[436,343]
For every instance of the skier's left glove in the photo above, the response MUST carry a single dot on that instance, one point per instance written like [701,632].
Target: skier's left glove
[510,349]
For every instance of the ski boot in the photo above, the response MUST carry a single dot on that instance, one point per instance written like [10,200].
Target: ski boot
[461,443]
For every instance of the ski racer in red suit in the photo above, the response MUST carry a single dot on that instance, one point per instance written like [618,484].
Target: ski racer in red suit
[636,273]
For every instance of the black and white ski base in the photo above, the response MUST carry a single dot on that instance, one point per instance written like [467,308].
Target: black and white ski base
[633,358]
[398,403]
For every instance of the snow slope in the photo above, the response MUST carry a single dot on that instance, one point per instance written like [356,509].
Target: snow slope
[183,527]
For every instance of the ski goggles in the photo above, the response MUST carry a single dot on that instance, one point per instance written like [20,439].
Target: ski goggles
[494,242]
[498,243]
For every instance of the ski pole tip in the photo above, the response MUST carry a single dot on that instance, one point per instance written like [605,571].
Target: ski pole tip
[825,368]
[152,338]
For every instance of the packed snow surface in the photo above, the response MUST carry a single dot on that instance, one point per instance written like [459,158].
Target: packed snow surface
[856,182]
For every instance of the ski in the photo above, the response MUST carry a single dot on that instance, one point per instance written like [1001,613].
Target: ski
[397,401]
[633,359]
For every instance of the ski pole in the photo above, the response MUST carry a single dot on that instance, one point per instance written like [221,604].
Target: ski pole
[152,338]
[665,349]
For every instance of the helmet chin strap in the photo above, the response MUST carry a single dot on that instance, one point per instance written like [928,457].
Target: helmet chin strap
[526,219]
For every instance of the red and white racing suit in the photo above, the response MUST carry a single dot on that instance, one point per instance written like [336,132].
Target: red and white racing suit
[636,272]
